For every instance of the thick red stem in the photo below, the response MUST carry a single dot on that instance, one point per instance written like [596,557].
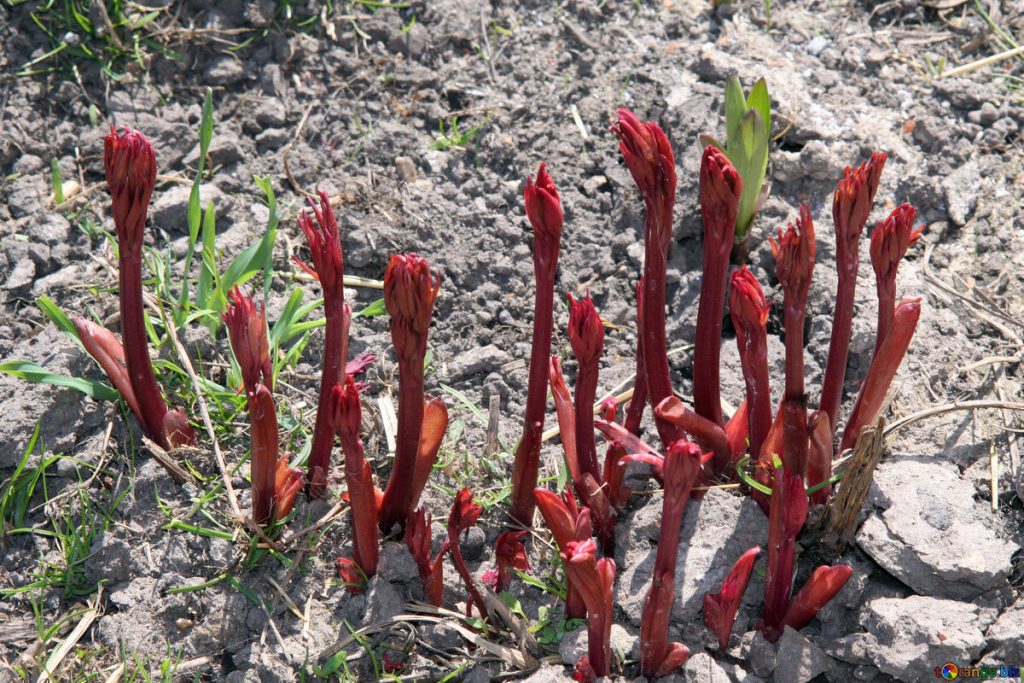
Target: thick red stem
[398,496]
[720,191]
[263,461]
[334,357]
[136,348]
[527,458]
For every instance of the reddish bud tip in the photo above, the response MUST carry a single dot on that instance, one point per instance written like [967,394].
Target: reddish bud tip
[346,411]
[720,189]
[891,239]
[747,304]
[648,154]
[510,554]
[794,253]
[324,241]
[409,293]
[543,206]
[853,198]
[129,162]
[464,512]
[586,331]
[247,329]
[609,407]
[720,608]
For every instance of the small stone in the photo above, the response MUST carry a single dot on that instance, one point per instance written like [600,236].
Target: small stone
[702,668]
[472,543]
[382,600]
[272,138]
[224,70]
[816,44]
[961,190]
[28,163]
[762,657]
[989,113]
[406,168]
[799,660]
[272,80]
[169,209]
[476,362]
[50,229]
[442,636]
[271,113]
[397,563]
[21,277]
[261,13]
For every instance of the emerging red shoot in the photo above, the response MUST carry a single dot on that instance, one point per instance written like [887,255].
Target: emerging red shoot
[346,419]
[130,165]
[544,209]
[851,205]
[409,293]
[567,524]
[595,580]
[510,554]
[882,370]
[324,240]
[648,154]
[417,538]
[720,191]
[749,311]
[586,336]
[823,585]
[106,349]
[464,515]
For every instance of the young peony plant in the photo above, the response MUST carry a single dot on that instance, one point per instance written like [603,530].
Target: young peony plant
[544,210]
[274,483]
[129,161]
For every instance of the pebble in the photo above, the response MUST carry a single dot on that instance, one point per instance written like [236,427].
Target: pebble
[406,168]
[816,44]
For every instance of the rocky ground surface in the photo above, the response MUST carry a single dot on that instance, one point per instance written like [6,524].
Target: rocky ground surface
[352,103]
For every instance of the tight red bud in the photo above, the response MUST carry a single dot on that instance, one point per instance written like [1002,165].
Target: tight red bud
[543,207]
[130,165]
[586,331]
[247,329]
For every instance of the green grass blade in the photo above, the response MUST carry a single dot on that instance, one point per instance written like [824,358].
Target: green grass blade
[52,311]
[57,181]
[33,373]
[267,187]
[208,275]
